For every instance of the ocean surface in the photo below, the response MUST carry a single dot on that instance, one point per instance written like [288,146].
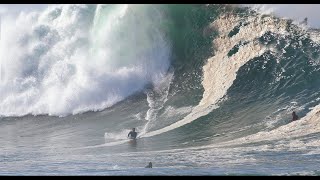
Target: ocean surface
[209,88]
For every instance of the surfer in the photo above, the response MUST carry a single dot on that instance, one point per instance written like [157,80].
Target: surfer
[305,21]
[133,133]
[294,116]
[149,165]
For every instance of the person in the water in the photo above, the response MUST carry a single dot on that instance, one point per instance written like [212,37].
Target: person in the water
[294,116]
[149,165]
[133,134]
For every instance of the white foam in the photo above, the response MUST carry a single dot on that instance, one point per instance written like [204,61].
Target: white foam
[114,143]
[69,59]
[315,35]
[156,99]
[121,135]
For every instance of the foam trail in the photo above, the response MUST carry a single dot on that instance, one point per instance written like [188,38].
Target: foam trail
[116,136]
[220,71]
[156,99]
[104,145]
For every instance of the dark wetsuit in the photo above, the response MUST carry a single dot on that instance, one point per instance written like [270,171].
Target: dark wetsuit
[149,165]
[132,134]
[295,117]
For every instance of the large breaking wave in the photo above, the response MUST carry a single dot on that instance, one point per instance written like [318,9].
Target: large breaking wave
[191,62]
[76,58]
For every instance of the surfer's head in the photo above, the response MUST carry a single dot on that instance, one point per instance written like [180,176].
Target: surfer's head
[133,129]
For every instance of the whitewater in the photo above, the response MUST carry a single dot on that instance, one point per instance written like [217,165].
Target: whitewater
[209,88]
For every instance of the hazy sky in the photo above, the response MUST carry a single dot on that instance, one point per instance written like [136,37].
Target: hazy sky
[4,8]
[293,11]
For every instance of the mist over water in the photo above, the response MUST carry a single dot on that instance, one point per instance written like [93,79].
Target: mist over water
[77,58]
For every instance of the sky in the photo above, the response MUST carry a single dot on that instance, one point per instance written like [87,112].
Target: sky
[293,11]
[4,8]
